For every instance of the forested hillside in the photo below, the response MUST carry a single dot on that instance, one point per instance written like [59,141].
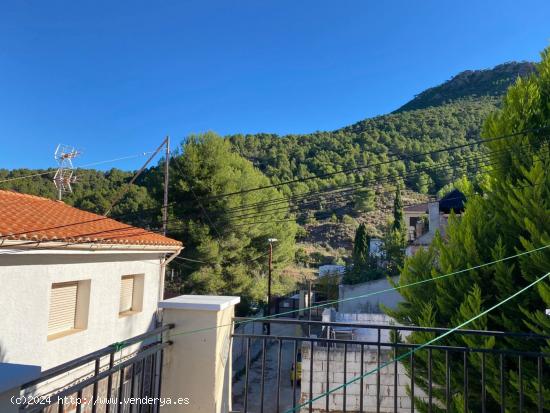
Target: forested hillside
[226,236]
[472,84]
[447,115]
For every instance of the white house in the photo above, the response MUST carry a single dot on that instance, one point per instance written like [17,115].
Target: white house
[325,270]
[72,282]
[424,220]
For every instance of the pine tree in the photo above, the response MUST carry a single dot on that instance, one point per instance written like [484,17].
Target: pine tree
[227,247]
[511,215]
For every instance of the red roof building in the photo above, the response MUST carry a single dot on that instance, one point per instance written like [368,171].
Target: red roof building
[36,220]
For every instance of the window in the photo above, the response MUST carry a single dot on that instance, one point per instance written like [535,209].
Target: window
[131,294]
[68,308]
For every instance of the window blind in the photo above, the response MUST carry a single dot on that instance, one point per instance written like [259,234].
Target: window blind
[126,293]
[62,307]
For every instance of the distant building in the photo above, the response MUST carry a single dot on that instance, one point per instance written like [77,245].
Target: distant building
[325,270]
[375,247]
[424,220]
[72,281]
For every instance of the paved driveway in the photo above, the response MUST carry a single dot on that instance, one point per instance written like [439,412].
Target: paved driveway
[270,378]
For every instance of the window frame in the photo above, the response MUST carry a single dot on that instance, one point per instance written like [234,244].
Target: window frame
[82,307]
[137,295]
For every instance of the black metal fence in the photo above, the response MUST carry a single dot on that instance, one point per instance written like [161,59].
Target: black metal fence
[103,381]
[299,373]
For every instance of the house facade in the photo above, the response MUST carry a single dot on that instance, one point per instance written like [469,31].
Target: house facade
[425,220]
[73,282]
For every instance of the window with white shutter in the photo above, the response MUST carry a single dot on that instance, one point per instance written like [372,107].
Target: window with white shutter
[131,294]
[63,304]
[126,293]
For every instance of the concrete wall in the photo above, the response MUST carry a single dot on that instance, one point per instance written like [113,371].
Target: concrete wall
[353,370]
[197,366]
[368,304]
[25,281]
[239,345]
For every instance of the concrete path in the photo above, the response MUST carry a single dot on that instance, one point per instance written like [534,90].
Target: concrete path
[270,377]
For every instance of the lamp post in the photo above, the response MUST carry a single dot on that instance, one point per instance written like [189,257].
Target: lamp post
[271,241]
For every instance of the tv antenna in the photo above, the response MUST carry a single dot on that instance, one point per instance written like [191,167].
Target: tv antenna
[63,177]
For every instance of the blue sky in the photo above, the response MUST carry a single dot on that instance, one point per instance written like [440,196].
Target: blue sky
[112,78]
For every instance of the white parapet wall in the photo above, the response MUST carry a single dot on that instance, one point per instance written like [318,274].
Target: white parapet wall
[197,367]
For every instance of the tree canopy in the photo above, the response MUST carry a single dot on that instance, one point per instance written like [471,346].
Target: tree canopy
[232,249]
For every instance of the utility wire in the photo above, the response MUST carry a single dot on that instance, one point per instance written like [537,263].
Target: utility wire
[86,241]
[78,167]
[172,203]
[405,176]
[420,347]
[388,178]
[100,232]
[387,290]
[119,197]
[351,189]
[296,219]
[398,158]
[363,183]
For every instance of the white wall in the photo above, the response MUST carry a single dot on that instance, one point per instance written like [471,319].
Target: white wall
[25,282]
[371,303]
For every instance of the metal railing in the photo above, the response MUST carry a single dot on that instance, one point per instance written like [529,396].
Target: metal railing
[98,382]
[435,378]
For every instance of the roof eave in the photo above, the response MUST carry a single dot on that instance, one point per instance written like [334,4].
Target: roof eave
[85,246]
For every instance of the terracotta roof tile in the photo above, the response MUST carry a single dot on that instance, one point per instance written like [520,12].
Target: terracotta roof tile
[417,208]
[29,217]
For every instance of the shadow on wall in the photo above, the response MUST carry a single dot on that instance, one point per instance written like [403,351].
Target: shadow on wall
[2,354]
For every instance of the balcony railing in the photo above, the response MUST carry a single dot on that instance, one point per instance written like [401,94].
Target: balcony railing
[98,382]
[350,367]
[303,366]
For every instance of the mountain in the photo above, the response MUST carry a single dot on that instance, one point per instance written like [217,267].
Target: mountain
[446,115]
[443,116]
[471,84]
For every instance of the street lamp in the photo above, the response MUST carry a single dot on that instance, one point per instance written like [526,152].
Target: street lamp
[271,241]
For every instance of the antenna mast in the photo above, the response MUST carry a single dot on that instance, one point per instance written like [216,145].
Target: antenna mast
[63,177]
[166,182]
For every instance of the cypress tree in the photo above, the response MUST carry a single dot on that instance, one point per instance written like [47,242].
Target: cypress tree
[395,238]
[361,247]
[398,220]
[365,266]
[510,216]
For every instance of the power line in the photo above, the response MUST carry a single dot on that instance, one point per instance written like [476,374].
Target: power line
[398,158]
[129,214]
[200,203]
[81,222]
[118,197]
[289,209]
[407,175]
[362,185]
[348,190]
[387,290]
[78,167]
